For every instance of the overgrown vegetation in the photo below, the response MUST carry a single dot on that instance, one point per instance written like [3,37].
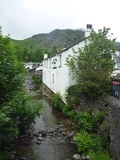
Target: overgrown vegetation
[91,137]
[16,111]
[37,80]
[92,65]
[56,101]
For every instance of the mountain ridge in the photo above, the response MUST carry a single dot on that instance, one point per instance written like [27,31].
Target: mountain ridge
[58,38]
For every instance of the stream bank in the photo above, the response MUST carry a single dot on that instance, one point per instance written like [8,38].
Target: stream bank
[50,138]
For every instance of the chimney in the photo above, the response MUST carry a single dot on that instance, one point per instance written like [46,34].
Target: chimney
[45,56]
[88,30]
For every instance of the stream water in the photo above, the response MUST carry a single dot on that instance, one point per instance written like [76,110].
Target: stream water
[54,146]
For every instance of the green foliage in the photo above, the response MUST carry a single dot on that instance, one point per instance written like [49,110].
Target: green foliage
[53,41]
[117,44]
[16,112]
[93,64]
[11,71]
[99,156]
[99,116]
[84,120]
[68,111]
[103,126]
[23,111]
[8,132]
[26,55]
[99,143]
[73,94]
[37,80]
[37,56]
[5,154]
[84,141]
[88,142]
[56,101]
[73,90]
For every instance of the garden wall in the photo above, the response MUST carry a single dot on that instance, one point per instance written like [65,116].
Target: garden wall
[113,106]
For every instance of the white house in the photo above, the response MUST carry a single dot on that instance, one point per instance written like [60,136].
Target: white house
[56,74]
[39,70]
[116,58]
[32,65]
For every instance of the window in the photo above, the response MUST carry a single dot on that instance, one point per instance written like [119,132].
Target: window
[54,63]
[50,63]
[53,78]
[60,60]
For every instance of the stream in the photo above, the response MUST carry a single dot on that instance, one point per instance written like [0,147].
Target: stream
[55,145]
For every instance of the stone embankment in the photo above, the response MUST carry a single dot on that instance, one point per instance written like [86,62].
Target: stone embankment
[113,106]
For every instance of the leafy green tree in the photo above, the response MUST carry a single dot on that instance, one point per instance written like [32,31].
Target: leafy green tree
[92,65]
[16,113]
[23,111]
[37,56]
[53,51]
[11,70]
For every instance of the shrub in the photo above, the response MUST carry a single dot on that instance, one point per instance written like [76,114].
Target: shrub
[85,121]
[99,116]
[71,114]
[84,141]
[99,156]
[99,143]
[37,80]
[57,101]
[22,111]
[66,109]
[88,142]
[73,95]
[73,91]
[103,126]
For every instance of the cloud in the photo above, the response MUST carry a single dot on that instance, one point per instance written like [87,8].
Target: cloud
[24,18]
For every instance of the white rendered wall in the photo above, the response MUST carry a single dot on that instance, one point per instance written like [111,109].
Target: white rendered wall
[56,77]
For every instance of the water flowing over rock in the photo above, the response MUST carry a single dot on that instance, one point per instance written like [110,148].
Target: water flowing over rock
[47,140]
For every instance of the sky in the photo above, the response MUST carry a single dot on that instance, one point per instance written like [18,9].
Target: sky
[25,18]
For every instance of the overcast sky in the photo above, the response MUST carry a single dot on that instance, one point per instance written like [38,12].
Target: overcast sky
[25,18]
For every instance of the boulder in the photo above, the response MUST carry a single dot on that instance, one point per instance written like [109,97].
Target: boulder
[43,132]
[51,130]
[70,135]
[76,157]
[40,139]
[88,157]
[12,156]
[38,142]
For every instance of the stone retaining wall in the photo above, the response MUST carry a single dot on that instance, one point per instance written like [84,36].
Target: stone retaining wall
[45,90]
[113,106]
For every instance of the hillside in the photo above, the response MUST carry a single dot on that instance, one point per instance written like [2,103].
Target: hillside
[57,38]
[117,44]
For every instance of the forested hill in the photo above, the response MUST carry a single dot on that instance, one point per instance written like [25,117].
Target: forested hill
[34,48]
[58,39]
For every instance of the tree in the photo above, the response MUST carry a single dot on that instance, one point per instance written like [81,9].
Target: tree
[37,56]
[11,70]
[16,112]
[92,65]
